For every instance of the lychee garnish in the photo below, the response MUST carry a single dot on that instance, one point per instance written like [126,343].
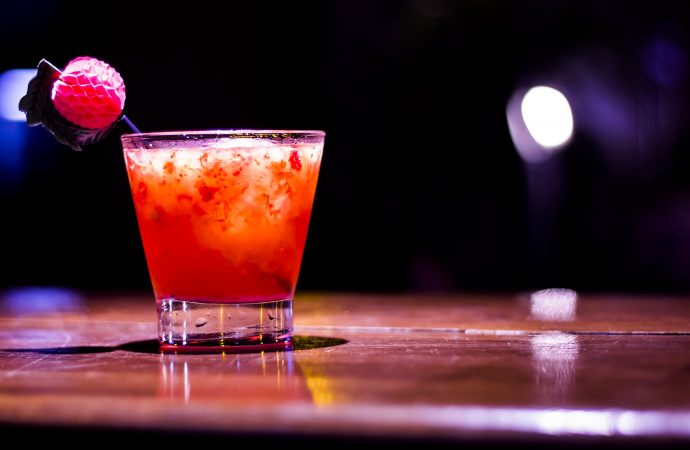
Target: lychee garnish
[79,105]
[89,93]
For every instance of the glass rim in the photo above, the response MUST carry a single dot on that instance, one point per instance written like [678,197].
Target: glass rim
[220,133]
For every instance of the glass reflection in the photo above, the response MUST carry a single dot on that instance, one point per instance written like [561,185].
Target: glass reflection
[554,358]
[257,378]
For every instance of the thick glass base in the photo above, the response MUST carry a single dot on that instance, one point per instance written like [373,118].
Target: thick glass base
[196,327]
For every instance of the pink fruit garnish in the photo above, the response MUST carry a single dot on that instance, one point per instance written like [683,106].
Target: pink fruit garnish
[89,93]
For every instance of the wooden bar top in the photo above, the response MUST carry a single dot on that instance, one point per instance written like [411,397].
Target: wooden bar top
[423,368]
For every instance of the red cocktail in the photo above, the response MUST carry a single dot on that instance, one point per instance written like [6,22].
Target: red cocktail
[223,217]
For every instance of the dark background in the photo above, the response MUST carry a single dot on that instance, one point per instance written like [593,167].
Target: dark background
[421,187]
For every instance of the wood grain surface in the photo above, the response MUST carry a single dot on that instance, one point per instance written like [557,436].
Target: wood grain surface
[407,368]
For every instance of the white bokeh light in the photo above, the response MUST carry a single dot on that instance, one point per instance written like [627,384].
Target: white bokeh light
[553,304]
[13,85]
[547,116]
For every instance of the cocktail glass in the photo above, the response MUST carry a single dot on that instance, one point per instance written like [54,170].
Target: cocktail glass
[223,217]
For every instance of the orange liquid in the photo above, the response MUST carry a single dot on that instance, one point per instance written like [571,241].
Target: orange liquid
[224,224]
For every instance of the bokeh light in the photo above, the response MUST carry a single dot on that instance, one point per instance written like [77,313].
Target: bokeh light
[13,85]
[547,116]
[540,121]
